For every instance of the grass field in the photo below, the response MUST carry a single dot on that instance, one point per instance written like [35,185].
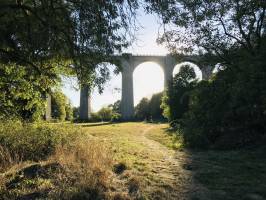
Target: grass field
[138,161]
[155,157]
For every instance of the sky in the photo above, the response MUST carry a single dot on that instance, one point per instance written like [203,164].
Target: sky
[148,78]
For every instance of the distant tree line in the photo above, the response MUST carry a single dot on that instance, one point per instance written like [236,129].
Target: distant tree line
[110,113]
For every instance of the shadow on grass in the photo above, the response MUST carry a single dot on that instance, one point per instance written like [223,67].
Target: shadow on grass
[221,174]
[228,175]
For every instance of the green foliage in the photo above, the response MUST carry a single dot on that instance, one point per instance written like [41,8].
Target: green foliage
[116,117]
[82,32]
[155,106]
[69,112]
[41,40]
[75,113]
[142,110]
[150,109]
[215,27]
[105,114]
[176,98]
[95,117]
[58,105]
[22,92]
[116,107]
[34,141]
[61,107]
[228,112]
[110,113]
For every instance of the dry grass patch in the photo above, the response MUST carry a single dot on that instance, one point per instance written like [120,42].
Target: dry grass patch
[56,162]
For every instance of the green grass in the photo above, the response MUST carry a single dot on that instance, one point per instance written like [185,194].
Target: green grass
[157,165]
[167,137]
[231,174]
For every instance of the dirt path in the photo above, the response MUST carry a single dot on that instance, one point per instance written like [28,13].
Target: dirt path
[159,170]
[169,178]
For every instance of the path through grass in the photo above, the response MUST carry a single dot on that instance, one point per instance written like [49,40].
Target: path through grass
[150,155]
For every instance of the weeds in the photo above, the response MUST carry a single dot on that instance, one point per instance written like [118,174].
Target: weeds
[51,161]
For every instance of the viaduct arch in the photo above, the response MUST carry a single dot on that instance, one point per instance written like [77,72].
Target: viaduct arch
[128,64]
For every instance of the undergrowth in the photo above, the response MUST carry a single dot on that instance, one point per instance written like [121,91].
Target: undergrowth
[54,161]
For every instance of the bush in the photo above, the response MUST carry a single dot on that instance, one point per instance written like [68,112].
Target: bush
[176,98]
[72,165]
[69,112]
[22,92]
[116,117]
[34,141]
[229,111]
[150,109]
[105,114]
[58,105]
[142,110]
[95,117]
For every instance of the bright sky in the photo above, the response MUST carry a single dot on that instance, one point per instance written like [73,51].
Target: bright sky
[148,77]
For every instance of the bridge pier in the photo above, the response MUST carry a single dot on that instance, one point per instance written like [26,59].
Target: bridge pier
[85,103]
[169,65]
[127,101]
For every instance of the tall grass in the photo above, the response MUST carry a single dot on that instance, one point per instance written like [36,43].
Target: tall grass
[83,165]
[87,171]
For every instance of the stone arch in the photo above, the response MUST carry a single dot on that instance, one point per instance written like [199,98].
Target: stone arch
[111,90]
[156,79]
[86,94]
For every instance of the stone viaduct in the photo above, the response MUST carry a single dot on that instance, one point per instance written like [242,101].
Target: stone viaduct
[128,64]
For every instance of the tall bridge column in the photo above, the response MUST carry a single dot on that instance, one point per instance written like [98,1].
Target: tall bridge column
[85,103]
[168,76]
[169,66]
[127,103]
[48,109]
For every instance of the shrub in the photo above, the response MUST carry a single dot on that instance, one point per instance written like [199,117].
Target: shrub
[229,111]
[95,117]
[34,141]
[78,167]
[105,113]
[176,97]
[86,175]
[58,105]
[116,117]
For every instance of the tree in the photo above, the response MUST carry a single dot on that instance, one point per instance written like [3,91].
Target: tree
[176,99]
[69,111]
[20,94]
[230,30]
[155,106]
[76,113]
[105,113]
[50,38]
[142,110]
[116,107]
[58,105]
[226,111]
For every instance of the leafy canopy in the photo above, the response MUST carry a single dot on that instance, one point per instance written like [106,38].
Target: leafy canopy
[217,27]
